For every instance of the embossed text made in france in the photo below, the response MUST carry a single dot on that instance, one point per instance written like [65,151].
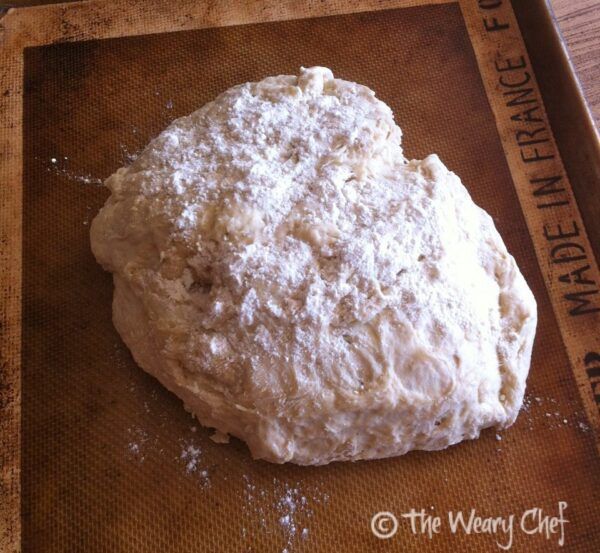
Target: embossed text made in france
[565,255]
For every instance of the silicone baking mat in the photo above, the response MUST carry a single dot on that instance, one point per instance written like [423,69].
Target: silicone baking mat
[112,462]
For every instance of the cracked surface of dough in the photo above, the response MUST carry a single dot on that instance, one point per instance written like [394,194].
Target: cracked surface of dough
[280,266]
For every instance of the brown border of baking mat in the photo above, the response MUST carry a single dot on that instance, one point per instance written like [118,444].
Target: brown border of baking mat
[560,239]
[563,250]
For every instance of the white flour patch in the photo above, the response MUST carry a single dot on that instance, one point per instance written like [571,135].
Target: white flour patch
[59,166]
[281,508]
[138,438]
[191,455]
[583,426]
[546,412]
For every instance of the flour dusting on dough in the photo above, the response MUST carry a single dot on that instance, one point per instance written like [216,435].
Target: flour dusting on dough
[285,270]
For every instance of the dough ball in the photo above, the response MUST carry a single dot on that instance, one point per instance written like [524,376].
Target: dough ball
[281,267]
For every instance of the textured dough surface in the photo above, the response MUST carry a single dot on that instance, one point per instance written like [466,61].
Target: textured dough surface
[280,266]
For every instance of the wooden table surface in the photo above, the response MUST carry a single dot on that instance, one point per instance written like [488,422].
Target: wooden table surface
[579,22]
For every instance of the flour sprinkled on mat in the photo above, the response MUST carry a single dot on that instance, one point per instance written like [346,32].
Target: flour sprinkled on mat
[138,439]
[191,455]
[545,411]
[59,166]
[281,508]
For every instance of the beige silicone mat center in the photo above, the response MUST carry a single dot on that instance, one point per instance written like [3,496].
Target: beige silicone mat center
[111,461]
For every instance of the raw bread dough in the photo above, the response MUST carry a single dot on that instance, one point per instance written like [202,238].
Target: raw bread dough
[282,268]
